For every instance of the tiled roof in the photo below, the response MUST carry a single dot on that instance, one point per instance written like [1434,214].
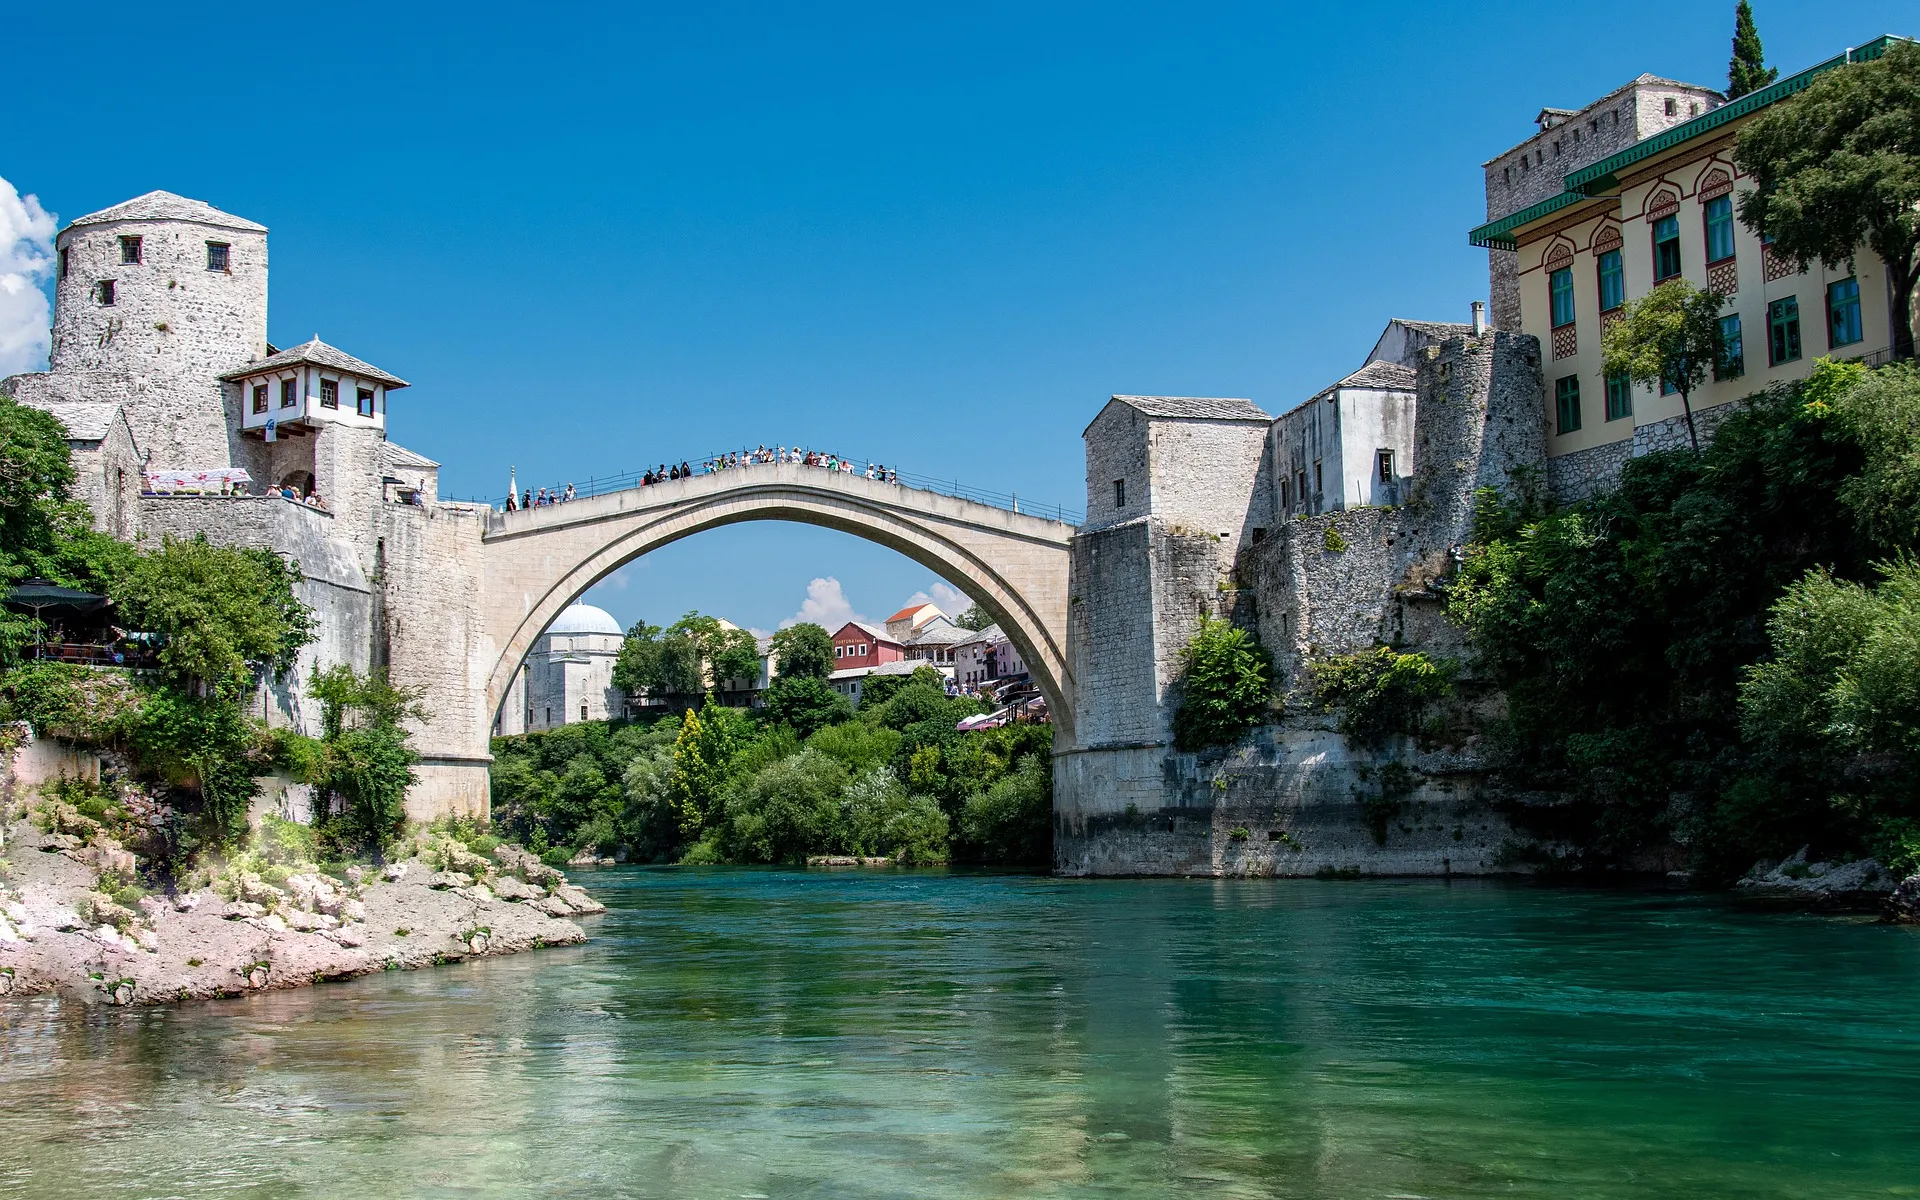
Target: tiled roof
[399,456]
[320,354]
[165,206]
[909,611]
[1439,329]
[871,631]
[1380,374]
[1207,408]
[940,633]
[990,634]
[86,420]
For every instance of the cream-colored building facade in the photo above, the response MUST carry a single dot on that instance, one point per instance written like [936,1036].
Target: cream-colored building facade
[1666,207]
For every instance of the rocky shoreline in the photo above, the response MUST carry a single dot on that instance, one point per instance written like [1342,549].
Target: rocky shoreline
[241,934]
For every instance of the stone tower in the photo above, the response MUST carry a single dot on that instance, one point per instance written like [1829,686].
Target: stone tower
[157,297]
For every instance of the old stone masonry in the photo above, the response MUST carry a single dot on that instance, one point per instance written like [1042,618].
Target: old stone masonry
[1320,528]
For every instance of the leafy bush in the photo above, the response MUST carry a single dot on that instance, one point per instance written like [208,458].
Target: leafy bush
[1225,685]
[1380,691]
[807,704]
[1623,628]
[1012,821]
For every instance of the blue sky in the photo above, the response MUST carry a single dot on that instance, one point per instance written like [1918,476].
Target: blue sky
[596,237]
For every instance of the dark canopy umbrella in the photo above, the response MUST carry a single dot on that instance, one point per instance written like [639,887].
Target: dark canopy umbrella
[36,594]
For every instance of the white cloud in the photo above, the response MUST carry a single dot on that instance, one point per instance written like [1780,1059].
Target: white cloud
[826,605]
[949,599]
[26,260]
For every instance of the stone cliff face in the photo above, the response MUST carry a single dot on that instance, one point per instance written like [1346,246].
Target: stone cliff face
[1295,797]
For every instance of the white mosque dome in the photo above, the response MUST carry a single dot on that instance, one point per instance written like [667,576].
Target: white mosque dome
[585,618]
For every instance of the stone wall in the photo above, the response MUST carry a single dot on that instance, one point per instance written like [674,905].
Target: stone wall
[1116,443]
[1575,477]
[1211,476]
[173,328]
[433,630]
[335,586]
[1305,800]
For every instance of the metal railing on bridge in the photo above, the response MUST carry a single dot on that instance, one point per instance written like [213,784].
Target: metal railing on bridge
[600,485]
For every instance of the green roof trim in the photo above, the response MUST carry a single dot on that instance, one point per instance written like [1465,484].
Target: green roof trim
[1497,235]
[1591,181]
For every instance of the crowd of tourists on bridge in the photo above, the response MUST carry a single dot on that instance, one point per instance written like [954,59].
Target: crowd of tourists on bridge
[732,460]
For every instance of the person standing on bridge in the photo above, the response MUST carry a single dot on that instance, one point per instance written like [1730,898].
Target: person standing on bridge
[570,492]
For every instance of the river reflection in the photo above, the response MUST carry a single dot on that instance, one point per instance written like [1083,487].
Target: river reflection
[780,1034]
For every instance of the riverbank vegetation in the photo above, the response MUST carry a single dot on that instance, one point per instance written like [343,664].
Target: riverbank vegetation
[719,784]
[1719,653]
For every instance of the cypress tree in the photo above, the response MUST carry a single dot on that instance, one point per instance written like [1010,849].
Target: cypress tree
[1748,70]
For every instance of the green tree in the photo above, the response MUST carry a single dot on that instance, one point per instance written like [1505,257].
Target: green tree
[1226,686]
[1671,337]
[806,703]
[366,757]
[44,531]
[877,690]
[1011,822]
[224,612]
[805,651]
[1748,70]
[1881,409]
[975,618]
[1837,166]
[684,659]
[702,758]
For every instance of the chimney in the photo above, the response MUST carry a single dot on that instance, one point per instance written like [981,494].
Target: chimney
[1479,317]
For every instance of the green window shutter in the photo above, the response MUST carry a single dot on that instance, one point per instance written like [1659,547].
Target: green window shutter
[1719,228]
[1560,289]
[1619,397]
[1733,355]
[1666,249]
[1566,395]
[1843,313]
[1613,282]
[1783,331]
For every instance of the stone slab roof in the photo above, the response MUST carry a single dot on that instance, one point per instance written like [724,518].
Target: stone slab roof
[990,634]
[1439,329]
[940,632]
[319,354]
[400,456]
[86,420]
[1205,408]
[1380,374]
[165,206]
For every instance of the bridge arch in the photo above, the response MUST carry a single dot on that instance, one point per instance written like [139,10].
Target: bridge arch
[537,561]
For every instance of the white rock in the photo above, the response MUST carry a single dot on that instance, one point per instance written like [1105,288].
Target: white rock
[187,901]
[395,872]
[7,933]
[274,923]
[353,910]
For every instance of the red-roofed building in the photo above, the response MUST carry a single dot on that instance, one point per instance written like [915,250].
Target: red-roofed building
[858,644]
[901,625]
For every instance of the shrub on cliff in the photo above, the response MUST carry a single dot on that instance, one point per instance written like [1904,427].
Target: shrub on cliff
[1381,691]
[1622,627]
[1225,686]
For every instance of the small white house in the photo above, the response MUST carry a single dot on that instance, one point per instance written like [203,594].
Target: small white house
[312,384]
[1350,446]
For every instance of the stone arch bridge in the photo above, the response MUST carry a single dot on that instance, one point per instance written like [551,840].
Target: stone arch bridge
[534,562]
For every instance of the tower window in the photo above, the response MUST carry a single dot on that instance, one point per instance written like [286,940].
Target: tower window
[329,393]
[1672,106]
[259,397]
[1384,461]
[129,251]
[289,393]
[217,256]
[583,712]
[363,401]
[103,293]
[1119,493]
[66,260]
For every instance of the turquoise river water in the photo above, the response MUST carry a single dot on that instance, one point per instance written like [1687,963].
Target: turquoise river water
[741,1033]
